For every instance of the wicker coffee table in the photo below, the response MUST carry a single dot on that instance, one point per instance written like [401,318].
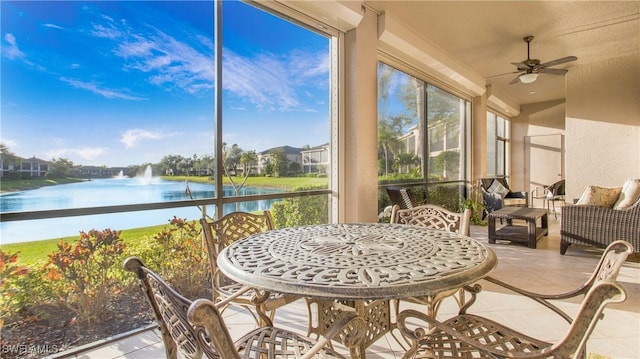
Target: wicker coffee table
[528,233]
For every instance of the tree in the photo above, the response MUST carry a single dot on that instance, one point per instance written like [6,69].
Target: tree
[206,164]
[294,168]
[60,168]
[400,100]
[232,157]
[8,157]
[403,162]
[170,164]
[447,164]
[247,161]
[389,133]
[280,162]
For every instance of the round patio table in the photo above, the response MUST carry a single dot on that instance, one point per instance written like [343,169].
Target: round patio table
[366,263]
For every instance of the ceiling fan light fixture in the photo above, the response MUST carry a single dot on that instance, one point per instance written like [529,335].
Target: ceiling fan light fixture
[528,78]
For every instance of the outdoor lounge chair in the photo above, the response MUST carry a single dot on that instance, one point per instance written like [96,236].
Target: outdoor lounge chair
[401,196]
[497,194]
[472,336]
[197,329]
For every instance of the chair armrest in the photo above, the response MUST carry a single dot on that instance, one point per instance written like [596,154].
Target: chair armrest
[542,298]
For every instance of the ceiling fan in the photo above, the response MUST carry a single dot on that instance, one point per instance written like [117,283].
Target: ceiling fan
[531,68]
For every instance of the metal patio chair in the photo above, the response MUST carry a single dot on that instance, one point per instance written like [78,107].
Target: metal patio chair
[472,336]
[197,329]
[220,234]
[436,217]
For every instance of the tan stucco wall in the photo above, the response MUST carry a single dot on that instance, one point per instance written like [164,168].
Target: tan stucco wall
[543,124]
[602,125]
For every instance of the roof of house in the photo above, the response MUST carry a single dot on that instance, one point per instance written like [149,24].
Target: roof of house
[287,150]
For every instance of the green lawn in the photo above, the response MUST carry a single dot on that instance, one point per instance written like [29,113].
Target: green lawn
[12,185]
[285,183]
[35,252]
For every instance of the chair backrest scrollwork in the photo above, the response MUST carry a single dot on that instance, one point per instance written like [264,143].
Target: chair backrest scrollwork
[433,216]
[170,309]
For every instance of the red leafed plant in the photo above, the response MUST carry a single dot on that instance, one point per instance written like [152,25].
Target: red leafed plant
[87,272]
[9,271]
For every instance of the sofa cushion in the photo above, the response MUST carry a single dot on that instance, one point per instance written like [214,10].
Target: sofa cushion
[629,194]
[498,188]
[599,196]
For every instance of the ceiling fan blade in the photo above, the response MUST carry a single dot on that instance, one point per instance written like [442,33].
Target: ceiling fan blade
[506,73]
[514,81]
[553,71]
[559,61]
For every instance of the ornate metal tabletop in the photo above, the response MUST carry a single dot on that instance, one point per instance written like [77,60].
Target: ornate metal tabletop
[357,261]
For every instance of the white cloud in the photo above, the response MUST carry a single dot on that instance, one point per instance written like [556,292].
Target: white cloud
[11,144]
[99,91]
[131,137]
[167,60]
[273,82]
[86,153]
[12,51]
[108,32]
[53,26]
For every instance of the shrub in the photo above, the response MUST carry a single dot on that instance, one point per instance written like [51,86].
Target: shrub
[476,211]
[177,253]
[14,175]
[11,299]
[87,272]
[300,211]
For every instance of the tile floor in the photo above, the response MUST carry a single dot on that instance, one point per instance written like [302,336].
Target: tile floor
[541,270]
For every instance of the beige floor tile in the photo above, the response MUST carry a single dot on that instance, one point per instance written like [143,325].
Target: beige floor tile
[147,340]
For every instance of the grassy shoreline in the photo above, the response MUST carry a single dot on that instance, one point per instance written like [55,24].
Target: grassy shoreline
[286,183]
[34,253]
[13,185]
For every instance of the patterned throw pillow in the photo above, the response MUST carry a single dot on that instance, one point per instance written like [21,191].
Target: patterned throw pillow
[600,196]
[499,188]
[629,195]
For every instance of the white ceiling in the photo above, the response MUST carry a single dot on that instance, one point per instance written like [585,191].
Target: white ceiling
[486,36]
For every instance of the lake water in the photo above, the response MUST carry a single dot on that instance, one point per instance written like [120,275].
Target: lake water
[108,192]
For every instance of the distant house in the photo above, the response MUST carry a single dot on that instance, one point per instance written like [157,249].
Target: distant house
[292,153]
[27,167]
[98,171]
[316,159]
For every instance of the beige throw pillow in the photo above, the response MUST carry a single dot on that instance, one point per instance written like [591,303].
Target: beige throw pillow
[600,196]
[629,194]
[499,188]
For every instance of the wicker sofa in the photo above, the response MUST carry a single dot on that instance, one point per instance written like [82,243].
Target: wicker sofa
[599,226]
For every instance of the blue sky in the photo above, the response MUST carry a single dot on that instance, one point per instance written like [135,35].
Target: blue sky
[124,83]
